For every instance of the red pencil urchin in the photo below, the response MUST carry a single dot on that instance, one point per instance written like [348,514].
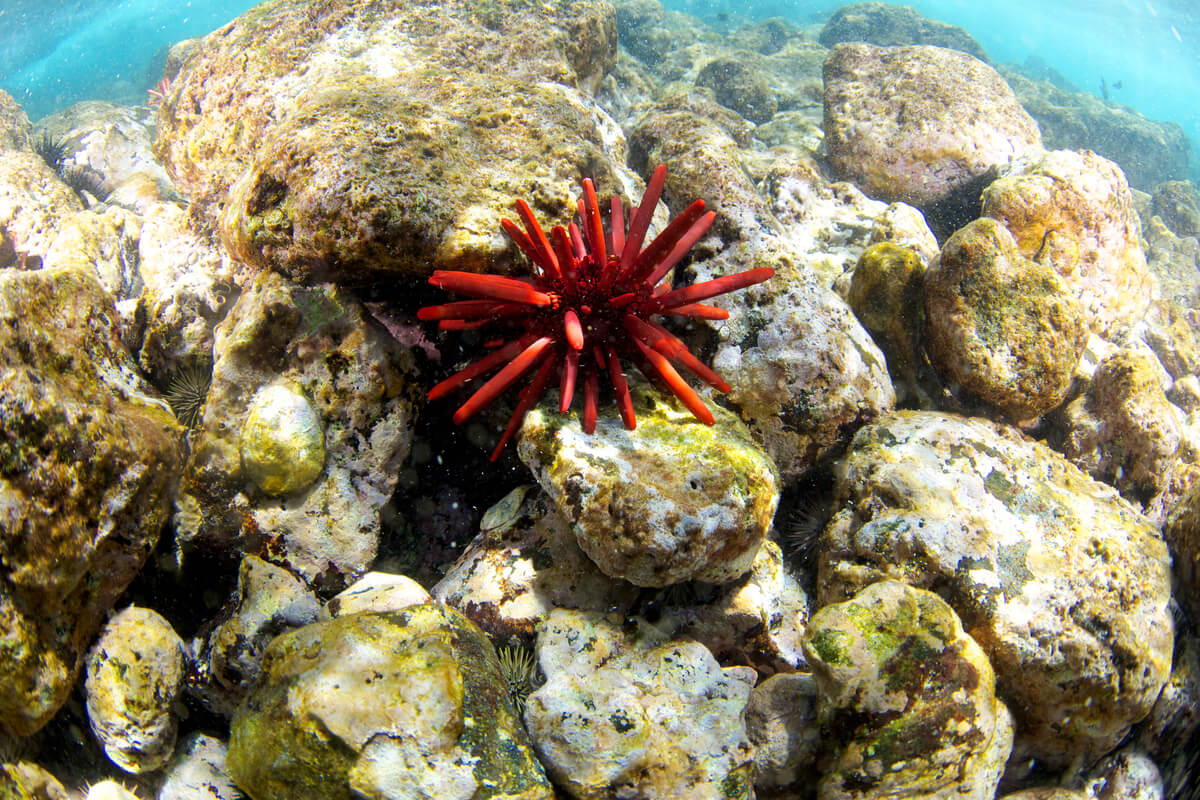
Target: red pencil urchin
[588,307]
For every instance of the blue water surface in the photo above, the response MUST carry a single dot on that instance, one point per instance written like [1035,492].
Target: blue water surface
[57,52]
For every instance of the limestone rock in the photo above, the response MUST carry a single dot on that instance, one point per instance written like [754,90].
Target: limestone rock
[87,461]
[781,721]
[1063,583]
[672,500]
[406,704]
[33,203]
[920,124]
[1007,329]
[134,675]
[637,716]
[1074,212]
[910,696]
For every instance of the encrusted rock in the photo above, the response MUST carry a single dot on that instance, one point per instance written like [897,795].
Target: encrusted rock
[1128,774]
[910,696]
[1176,203]
[197,772]
[672,500]
[1125,431]
[1182,532]
[269,600]
[358,140]
[639,716]
[88,459]
[134,674]
[1007,329]
[318,341]
[27,781]
[1173,260]
[1062,582]
[14,124]
[406,704]
[1074,212]
[282,444]
[920,124]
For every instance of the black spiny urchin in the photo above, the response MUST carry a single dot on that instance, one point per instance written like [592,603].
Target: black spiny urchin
[52,149]
[187,392]
[86,181]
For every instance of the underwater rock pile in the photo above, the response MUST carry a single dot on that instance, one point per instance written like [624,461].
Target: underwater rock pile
[926,547]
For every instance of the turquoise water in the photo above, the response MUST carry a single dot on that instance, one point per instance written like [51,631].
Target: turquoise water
[55,54]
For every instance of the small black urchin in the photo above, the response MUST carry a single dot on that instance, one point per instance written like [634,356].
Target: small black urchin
[52,149]
[187,392]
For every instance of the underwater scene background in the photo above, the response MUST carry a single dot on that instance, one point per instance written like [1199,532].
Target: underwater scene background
[464,399]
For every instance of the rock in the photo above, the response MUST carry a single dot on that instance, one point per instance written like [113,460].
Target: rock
[134,674]
[1062,582]
[910,697]
[109,790]
[1074,212]
[1047,793]
[269,601]
[360,383]
[1176,203]
[197,772]
[406,704]
[1126,775]
[525,563]
[1149,152]
[650,31]
[923,125]
[187,286]
[378,592]
[757,620]
[673,500]
[1173,260]
[69,396]
[781,721]
[802,371]
[103,241]
[637,716]
[33,203]
[887,25]
[768,36]
[1170,732]
[1182,532]
[1006,329]
[14,124]
[1124,431]
[739,87]
[356,142]
[114,142]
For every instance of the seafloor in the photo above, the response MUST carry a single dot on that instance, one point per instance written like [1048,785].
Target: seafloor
[872,475]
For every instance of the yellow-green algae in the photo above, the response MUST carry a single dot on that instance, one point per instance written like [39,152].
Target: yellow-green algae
[337,695]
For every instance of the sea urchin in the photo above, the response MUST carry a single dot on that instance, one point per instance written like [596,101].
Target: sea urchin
[588,307]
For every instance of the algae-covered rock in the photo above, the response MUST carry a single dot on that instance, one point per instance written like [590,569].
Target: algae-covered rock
[14,124]
[406,704]
[636,715]
[887,295]
[197,772]
[134,674]
[33,202]
[910,697]
[87,460]
[740,87]
[1007,329]
[887,25]
[1061,581]
[25,780]
[672,500]
[356,140]
[321,353]
[781,721]
[1074,211]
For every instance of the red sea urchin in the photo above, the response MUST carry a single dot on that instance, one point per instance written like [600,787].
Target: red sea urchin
[589,306]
